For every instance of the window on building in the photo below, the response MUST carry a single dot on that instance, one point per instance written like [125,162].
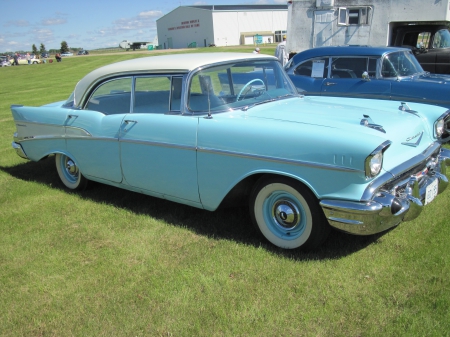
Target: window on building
[279,35]
[353,16]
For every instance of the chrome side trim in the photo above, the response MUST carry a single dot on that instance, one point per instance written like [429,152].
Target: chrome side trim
[30,138]
[279,160]
[161,144]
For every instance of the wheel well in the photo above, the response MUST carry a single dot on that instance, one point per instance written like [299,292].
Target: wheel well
[239,195]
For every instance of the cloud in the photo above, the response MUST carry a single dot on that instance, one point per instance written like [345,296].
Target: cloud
[150,14]
[43,34]
[135,26]
[17,23]
[53,22]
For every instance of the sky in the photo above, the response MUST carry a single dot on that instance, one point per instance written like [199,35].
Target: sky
[88,24]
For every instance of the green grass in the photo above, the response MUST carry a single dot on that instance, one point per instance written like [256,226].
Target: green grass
[107,262]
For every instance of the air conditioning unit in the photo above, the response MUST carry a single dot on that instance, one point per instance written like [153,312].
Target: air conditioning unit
[325,3]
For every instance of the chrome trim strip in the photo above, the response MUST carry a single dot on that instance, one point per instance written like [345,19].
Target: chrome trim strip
[39,138]
[279,160]
[161,144]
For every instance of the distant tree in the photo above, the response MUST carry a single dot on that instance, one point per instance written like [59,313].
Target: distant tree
[64,47]
[42,48]
[34,49]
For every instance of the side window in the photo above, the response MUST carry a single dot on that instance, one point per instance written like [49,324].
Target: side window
[151,94]
[317,68]
[112,97]
[204,91]
[348,67]
[372,67]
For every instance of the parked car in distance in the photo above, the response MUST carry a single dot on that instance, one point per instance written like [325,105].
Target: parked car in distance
[4,61]
[66,54]
[214,129]
[367,72]
[429,43]
[44,55]
[83,52]
[22,60]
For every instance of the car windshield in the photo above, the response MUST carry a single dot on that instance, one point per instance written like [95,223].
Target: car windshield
[441,39]
[240,85]
[400,64]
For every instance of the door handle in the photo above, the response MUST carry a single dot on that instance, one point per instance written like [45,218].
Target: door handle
[330,83]
[127,123]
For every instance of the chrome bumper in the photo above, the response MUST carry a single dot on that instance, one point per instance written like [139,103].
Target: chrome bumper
[19,150]
[391,203]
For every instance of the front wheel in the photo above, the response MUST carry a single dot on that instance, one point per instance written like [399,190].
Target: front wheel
[69,173]
[288,214]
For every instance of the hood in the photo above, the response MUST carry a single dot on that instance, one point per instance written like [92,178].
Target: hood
[429,78]
[359,119]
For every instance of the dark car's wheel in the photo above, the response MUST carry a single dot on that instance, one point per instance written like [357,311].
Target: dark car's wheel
[69,173]
[288,214]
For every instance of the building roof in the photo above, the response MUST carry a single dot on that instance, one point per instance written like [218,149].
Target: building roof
[217,8]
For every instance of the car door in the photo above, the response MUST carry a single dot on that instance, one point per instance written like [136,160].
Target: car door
[92,133]
[345,78]
[157,143]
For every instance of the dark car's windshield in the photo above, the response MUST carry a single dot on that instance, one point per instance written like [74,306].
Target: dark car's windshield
[238,85]
[400,64]
[441,39]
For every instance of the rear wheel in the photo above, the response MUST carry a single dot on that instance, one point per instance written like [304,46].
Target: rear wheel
[69,173]
[288,214]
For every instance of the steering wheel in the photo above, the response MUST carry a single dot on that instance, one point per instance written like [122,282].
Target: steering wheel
[246,85]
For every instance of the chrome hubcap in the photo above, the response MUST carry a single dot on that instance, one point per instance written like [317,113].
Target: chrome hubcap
[71,168]
[286,214]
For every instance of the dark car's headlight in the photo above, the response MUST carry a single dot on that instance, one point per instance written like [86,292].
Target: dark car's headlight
[374,161]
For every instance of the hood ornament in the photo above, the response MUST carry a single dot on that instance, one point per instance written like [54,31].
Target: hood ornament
[367,122]
[405,107]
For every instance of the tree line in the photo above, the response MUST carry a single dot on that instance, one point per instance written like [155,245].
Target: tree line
[64,48]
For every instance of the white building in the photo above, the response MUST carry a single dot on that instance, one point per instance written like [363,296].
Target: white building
[222,25]
[315,23]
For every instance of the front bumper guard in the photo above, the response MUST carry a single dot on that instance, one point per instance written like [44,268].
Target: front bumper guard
[386,210]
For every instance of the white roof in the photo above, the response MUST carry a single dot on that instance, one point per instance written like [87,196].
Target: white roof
[174,63]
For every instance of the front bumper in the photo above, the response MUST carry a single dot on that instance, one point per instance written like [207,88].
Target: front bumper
[392,198]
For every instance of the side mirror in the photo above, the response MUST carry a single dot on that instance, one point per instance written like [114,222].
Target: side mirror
[365,76]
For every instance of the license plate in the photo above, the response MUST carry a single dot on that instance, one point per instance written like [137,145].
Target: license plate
[431,191]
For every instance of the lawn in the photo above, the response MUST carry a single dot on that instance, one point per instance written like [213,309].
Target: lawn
[108,262]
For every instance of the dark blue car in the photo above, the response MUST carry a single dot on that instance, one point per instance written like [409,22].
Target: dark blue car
[367,72]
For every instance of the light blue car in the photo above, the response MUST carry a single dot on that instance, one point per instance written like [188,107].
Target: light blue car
[186,128]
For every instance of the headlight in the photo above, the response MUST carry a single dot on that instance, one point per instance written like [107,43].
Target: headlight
[439,127]
[374,162]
